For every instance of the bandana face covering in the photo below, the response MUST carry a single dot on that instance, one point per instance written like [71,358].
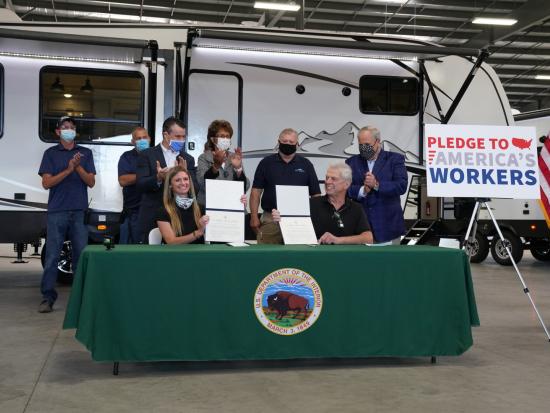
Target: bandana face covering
[183,201]
[367,151]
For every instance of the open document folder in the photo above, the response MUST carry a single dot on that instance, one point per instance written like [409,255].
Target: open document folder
[226,212]
[293,204]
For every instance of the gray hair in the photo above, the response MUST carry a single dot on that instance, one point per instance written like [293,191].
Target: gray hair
[373,130]
[288,131]
[344,170]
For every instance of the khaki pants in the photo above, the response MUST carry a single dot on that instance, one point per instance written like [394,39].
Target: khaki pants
[269,232]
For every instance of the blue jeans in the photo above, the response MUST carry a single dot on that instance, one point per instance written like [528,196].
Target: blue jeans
[61,225]
[130,232]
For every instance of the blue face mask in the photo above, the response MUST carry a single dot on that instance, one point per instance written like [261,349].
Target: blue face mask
[177,146]
[142,144]
[67,135]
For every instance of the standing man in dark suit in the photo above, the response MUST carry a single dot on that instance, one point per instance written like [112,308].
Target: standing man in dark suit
[379,180]
[153,164]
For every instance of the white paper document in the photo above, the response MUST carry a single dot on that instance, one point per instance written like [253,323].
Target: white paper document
[292,200]
[225,226]
[297,230]
[224,194]
[226,212]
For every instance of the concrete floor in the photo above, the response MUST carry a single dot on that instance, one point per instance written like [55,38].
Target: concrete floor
[44,369]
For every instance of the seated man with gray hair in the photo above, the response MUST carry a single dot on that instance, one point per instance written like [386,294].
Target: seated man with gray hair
[336,218]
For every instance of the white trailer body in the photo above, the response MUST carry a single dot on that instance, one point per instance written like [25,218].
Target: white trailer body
[312,85]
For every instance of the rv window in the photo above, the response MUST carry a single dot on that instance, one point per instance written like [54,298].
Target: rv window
[1,100]
[388,95]
[106,104]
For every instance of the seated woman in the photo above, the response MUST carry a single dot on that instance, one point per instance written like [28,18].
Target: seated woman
[181,220]
[217,162]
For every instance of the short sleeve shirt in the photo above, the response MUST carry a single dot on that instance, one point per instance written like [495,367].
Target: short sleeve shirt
[272,171]
[127,164]
[349,220]
[187,219]
[71,193]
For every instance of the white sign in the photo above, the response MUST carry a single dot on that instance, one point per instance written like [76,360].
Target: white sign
[476,161]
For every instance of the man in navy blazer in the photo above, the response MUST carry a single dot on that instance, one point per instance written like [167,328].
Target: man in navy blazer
[379,180]
[152,166]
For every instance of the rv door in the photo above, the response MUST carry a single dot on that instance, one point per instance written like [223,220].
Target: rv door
[212,95]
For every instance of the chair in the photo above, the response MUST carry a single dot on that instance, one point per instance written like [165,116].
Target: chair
[155,237]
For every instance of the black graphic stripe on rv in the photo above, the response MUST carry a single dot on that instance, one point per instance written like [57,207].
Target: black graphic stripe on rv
[298,72]
[21,203]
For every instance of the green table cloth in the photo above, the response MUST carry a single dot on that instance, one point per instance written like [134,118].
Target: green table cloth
[202,302]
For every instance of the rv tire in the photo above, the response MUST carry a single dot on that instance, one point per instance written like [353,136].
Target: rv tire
[64,266]
[479,249]
[498,251]
[540,249]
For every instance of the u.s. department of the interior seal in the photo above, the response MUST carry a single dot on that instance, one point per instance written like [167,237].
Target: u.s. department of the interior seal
[288,301]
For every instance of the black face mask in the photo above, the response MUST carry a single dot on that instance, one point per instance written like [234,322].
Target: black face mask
[367,151]
[287,148]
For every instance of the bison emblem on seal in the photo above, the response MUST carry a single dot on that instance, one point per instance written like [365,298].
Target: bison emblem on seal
[283,301]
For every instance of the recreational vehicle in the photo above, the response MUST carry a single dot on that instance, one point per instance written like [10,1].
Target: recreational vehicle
[112,78]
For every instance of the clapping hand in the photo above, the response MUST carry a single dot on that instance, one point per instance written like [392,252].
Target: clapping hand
[180,162]
[161,172]
[218,158]
[237,159]
[74,162]
[370,180]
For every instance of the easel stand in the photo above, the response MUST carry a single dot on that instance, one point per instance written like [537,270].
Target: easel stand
[470,237]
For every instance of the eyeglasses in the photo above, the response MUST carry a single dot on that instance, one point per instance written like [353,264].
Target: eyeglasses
[338,219]
[223,136]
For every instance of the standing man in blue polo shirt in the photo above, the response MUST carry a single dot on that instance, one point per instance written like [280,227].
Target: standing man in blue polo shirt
[67,170]
[283,168]
[130,232]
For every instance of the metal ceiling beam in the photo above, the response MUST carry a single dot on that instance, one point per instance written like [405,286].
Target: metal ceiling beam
[502,72]
[506,61]
[531,13]
[515,51]
[275,19]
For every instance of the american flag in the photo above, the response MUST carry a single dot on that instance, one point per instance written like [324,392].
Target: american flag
[544,165]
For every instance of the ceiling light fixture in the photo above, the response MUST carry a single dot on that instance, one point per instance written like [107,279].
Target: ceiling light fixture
[494,21]
[87,87]
[57,86]
[542,77]
[276,6]
[68,95]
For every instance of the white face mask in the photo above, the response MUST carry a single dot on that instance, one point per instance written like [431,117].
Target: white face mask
[223,144]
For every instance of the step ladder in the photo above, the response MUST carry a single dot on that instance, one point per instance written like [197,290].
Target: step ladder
[421,231]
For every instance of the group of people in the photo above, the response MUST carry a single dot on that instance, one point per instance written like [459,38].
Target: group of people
[163,188]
